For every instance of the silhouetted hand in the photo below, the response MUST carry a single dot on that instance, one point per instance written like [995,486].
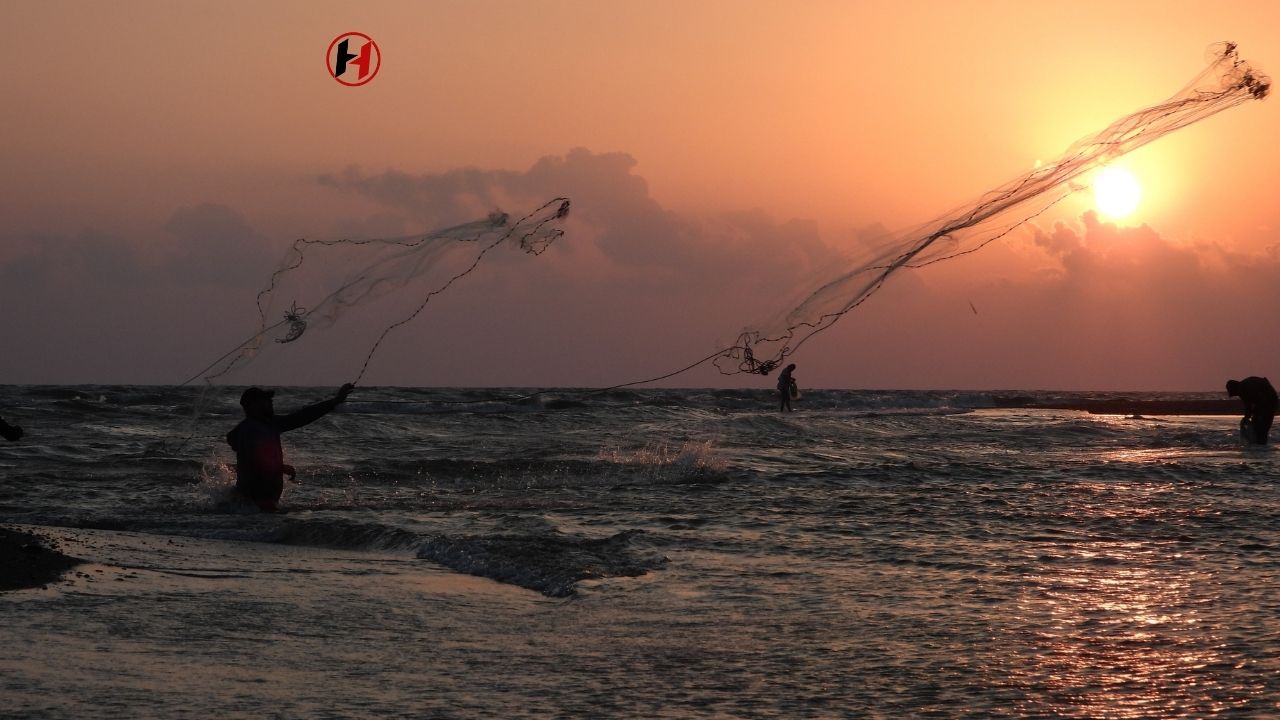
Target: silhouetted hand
[289,472]
[344,391]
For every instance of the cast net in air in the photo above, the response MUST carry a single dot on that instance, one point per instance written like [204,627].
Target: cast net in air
[1226,82]
[340,299]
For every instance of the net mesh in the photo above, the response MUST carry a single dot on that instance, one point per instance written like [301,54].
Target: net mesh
[1226,82]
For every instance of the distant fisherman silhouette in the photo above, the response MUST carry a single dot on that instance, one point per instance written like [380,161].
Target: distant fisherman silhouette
[787,388]
[260,466]
[1259,406]
[12,433]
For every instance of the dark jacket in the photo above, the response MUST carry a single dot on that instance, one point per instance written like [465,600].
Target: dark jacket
[1258,396]
[259,458]
[785,382]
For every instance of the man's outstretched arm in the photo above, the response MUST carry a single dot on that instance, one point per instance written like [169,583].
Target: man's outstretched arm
[311,413]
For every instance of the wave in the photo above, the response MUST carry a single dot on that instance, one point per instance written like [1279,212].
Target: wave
[655,463]
[343,535]
[552,564]
[536,557]
[444,407]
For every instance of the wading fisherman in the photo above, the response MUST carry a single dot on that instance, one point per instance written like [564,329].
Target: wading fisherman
[260,466]
[787,388]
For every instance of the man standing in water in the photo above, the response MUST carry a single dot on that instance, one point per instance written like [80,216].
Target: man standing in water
[1259,406]
[786,388]
[260,467]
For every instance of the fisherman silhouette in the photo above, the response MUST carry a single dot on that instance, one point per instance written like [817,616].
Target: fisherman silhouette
[787,388]
[1259,407]
[260,466]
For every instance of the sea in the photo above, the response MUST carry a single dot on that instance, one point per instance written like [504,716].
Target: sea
[674,553]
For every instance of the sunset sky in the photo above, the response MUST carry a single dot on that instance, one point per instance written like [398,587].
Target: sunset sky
[161,156]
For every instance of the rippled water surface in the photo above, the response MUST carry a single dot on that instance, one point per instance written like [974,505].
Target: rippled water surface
[656,553]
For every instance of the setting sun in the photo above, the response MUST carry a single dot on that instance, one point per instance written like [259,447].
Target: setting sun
[1116,192]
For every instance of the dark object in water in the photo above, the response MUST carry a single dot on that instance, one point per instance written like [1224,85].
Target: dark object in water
[26,561]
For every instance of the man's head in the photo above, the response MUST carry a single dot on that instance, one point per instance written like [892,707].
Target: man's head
[257,402]
[1233,388]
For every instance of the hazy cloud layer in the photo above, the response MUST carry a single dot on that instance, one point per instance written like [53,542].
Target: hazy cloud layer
[636,290]
[212,243]
[89,257]
[611,203]
[632,286]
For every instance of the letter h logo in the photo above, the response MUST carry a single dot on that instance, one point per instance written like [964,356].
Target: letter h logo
[365,60]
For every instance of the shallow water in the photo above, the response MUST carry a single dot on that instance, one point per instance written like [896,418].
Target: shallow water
[876,554]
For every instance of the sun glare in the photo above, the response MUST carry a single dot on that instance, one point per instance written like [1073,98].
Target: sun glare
[1116,192]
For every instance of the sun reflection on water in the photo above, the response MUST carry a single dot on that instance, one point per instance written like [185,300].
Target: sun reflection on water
[1110,627]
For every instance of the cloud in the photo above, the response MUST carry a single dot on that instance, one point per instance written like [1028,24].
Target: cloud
[1108,263]
[1135,309]
[631,285]
[635,289]
[88,257]
[612,207]
[1081,304]
[1120,257]
[204,243]
[630,279]
[106,307]
[212,243]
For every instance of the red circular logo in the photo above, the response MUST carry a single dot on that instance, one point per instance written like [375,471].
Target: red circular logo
[353,59]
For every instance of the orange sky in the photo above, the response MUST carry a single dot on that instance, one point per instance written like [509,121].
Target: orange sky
[148,142]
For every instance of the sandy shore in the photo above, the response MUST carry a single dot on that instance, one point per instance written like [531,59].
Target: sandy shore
[28,560]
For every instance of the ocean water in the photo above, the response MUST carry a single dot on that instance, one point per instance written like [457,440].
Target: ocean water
[657,553]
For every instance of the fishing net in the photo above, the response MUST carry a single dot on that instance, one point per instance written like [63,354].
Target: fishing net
[1226,82]
[328,281]
[338,300]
